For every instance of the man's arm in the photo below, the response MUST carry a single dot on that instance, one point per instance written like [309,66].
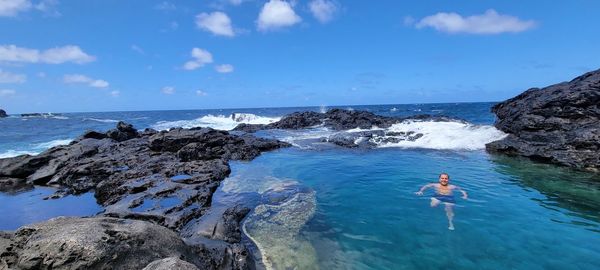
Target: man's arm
[464,193]
[420,192]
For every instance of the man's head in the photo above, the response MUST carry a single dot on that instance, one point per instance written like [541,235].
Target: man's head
[444,179]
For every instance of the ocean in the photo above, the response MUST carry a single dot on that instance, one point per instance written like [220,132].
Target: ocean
[357,208]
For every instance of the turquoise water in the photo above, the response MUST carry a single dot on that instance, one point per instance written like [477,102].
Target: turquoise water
[519,215]
[325,207]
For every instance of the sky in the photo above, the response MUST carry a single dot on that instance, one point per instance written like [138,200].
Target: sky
[123,55]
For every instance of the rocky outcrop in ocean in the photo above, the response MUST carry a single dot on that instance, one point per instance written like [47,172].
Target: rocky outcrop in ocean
[3,113]
[557,124]
[347,120]
[150,184]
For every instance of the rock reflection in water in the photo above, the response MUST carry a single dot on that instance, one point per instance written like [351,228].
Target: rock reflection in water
[564,188]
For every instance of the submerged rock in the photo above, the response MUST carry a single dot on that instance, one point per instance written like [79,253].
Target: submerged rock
[171,263]
[558,124]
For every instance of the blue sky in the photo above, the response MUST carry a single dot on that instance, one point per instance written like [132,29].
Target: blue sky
[109,55]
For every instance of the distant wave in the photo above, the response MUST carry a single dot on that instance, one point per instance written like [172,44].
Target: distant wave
[50,144]
[101,120]
[446,135]
[453,135]
[14,153]
[35,148]
[60,117]
[217,121]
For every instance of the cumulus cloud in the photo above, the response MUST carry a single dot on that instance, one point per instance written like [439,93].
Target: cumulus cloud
[217,23]
[201,93]
[323,10]
[7,77]
[490,22]
[200,57]
[168,90]
[78,78]
[7,92]
[10,8]
[58,55]
[225,68]
[277,14]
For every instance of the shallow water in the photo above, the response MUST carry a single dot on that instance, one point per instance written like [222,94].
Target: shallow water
[519,215]
[29,207]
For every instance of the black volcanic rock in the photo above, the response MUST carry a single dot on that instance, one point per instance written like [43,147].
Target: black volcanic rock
[165,178]
[558,124]
[298,120]
[94,243]
[3,113]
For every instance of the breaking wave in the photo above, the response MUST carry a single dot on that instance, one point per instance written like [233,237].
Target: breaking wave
[35,148]
[217,121]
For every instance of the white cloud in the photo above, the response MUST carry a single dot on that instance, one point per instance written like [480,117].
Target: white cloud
[58,55]
[10,8]
[7,77]
[7,92]
[165,5]
[277,14]
[225,68]
[168,90]
[201,93]
[115,93]
[48,7]
[489,22]
[99,84]
[137,49]
[201,57]
[78,78]
[323,10]
[217,23]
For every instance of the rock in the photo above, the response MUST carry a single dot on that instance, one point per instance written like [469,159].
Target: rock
[3,113]
[558,124]
[249,128]
[171,263]
[90,134]
[123,132]
[94,243]
[14,185]
[224,226]
[298,120]
[339,119]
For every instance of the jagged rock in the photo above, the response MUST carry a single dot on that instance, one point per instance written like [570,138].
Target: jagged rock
[558,124]
[90,134]
[123,132]
[3,113]
[94,243]
[250,128]
[171,263]
[298,120]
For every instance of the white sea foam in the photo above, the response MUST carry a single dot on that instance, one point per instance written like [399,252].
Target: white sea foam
[14,153]
[101,120]
[446,135]
[50,144]
[217,121]
[35,148]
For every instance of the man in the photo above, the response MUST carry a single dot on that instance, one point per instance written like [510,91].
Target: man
[444,192]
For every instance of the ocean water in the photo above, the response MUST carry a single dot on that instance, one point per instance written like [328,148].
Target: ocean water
[317,206]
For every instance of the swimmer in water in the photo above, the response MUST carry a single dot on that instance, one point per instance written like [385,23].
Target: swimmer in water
[444,192]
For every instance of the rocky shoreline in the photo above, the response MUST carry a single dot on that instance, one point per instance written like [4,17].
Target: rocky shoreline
[150,184]
[558,124]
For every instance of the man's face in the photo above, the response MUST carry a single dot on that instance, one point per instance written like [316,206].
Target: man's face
[444,179]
